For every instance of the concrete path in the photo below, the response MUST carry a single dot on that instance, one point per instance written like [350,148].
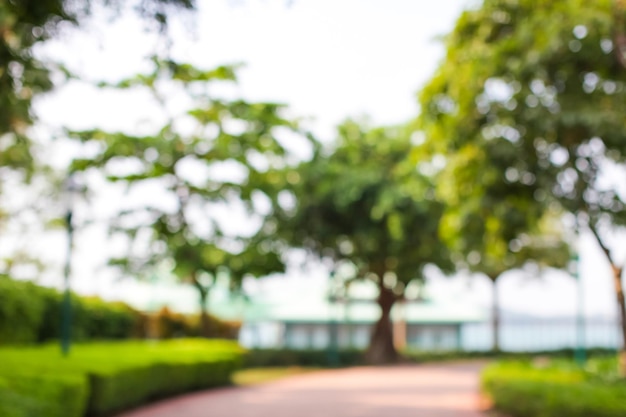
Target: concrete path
[449,390]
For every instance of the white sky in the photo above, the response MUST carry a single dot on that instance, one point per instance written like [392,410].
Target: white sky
[328,60]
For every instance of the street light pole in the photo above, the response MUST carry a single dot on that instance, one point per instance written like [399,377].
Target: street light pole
[333,342]
[579,355]
[70,189]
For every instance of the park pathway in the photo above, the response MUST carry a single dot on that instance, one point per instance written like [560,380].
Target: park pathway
[446,390]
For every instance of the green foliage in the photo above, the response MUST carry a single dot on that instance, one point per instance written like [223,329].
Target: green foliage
[362,203]
[29,395]
[168,325]
[265,358]
[38,312]
[23,76]
[245,136]
[21,312]
[599,367]
[107,377]
[531,105]
[598,354]
[520,389]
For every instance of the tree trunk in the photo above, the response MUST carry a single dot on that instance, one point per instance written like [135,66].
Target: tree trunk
[619,292]
[381,349]
[495,315]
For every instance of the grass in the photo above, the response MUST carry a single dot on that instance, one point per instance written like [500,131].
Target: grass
[254,376]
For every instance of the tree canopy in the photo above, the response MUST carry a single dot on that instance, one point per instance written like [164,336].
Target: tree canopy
[23,75]
[212,154]
[529,103]
[363,202]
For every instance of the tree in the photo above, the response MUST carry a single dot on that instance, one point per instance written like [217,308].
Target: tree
[24,75]
[212,154]
[363,202]
[543,83]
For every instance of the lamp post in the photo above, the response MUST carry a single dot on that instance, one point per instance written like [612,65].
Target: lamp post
[333,342]
[70,189]
[579,354]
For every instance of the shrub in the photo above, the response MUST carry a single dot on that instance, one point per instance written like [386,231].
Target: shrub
[43,395]
[264,358]
[167,324]
[519,389]
[38,311]
[107,377]
[19,303]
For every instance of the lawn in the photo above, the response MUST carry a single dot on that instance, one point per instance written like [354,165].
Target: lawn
[254,376]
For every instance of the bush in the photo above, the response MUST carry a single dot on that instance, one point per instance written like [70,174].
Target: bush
[436,356]
[104,378]
[19,303]
[265,358]
[167,324]
[519,389]
[43,395]
[38,311]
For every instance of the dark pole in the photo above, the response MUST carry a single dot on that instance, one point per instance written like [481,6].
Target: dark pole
[580,354]
[333,348]
[66,309]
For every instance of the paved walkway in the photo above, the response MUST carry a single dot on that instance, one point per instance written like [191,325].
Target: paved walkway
[449,390]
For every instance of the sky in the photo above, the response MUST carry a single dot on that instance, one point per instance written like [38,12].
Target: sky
[328,60]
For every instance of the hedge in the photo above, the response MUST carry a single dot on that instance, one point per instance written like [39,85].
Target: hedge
[519,389]
[103,378]
[267,358]
[38,311]
[32,395]
[281,357]
[20,302]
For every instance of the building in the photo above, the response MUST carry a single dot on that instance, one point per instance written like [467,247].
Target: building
[315,320]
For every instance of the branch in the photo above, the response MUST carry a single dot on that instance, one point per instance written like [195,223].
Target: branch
[604,248]
[619,37]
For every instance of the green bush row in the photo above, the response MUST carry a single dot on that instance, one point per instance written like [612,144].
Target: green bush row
[103,378]
[267,358]
[263,358]
[436,356]
[38,312]
[521,389]
[25,395]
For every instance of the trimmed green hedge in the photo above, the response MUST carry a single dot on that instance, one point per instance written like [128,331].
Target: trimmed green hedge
[38,312]
[103,378]
[519,389]
[436,356]
[20,302]
[267,358]
[43,395]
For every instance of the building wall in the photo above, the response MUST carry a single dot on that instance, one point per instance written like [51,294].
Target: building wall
[318,336]
[433,336]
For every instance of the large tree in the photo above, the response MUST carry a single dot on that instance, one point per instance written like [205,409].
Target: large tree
[362,201]
[542,83]
[207,156]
